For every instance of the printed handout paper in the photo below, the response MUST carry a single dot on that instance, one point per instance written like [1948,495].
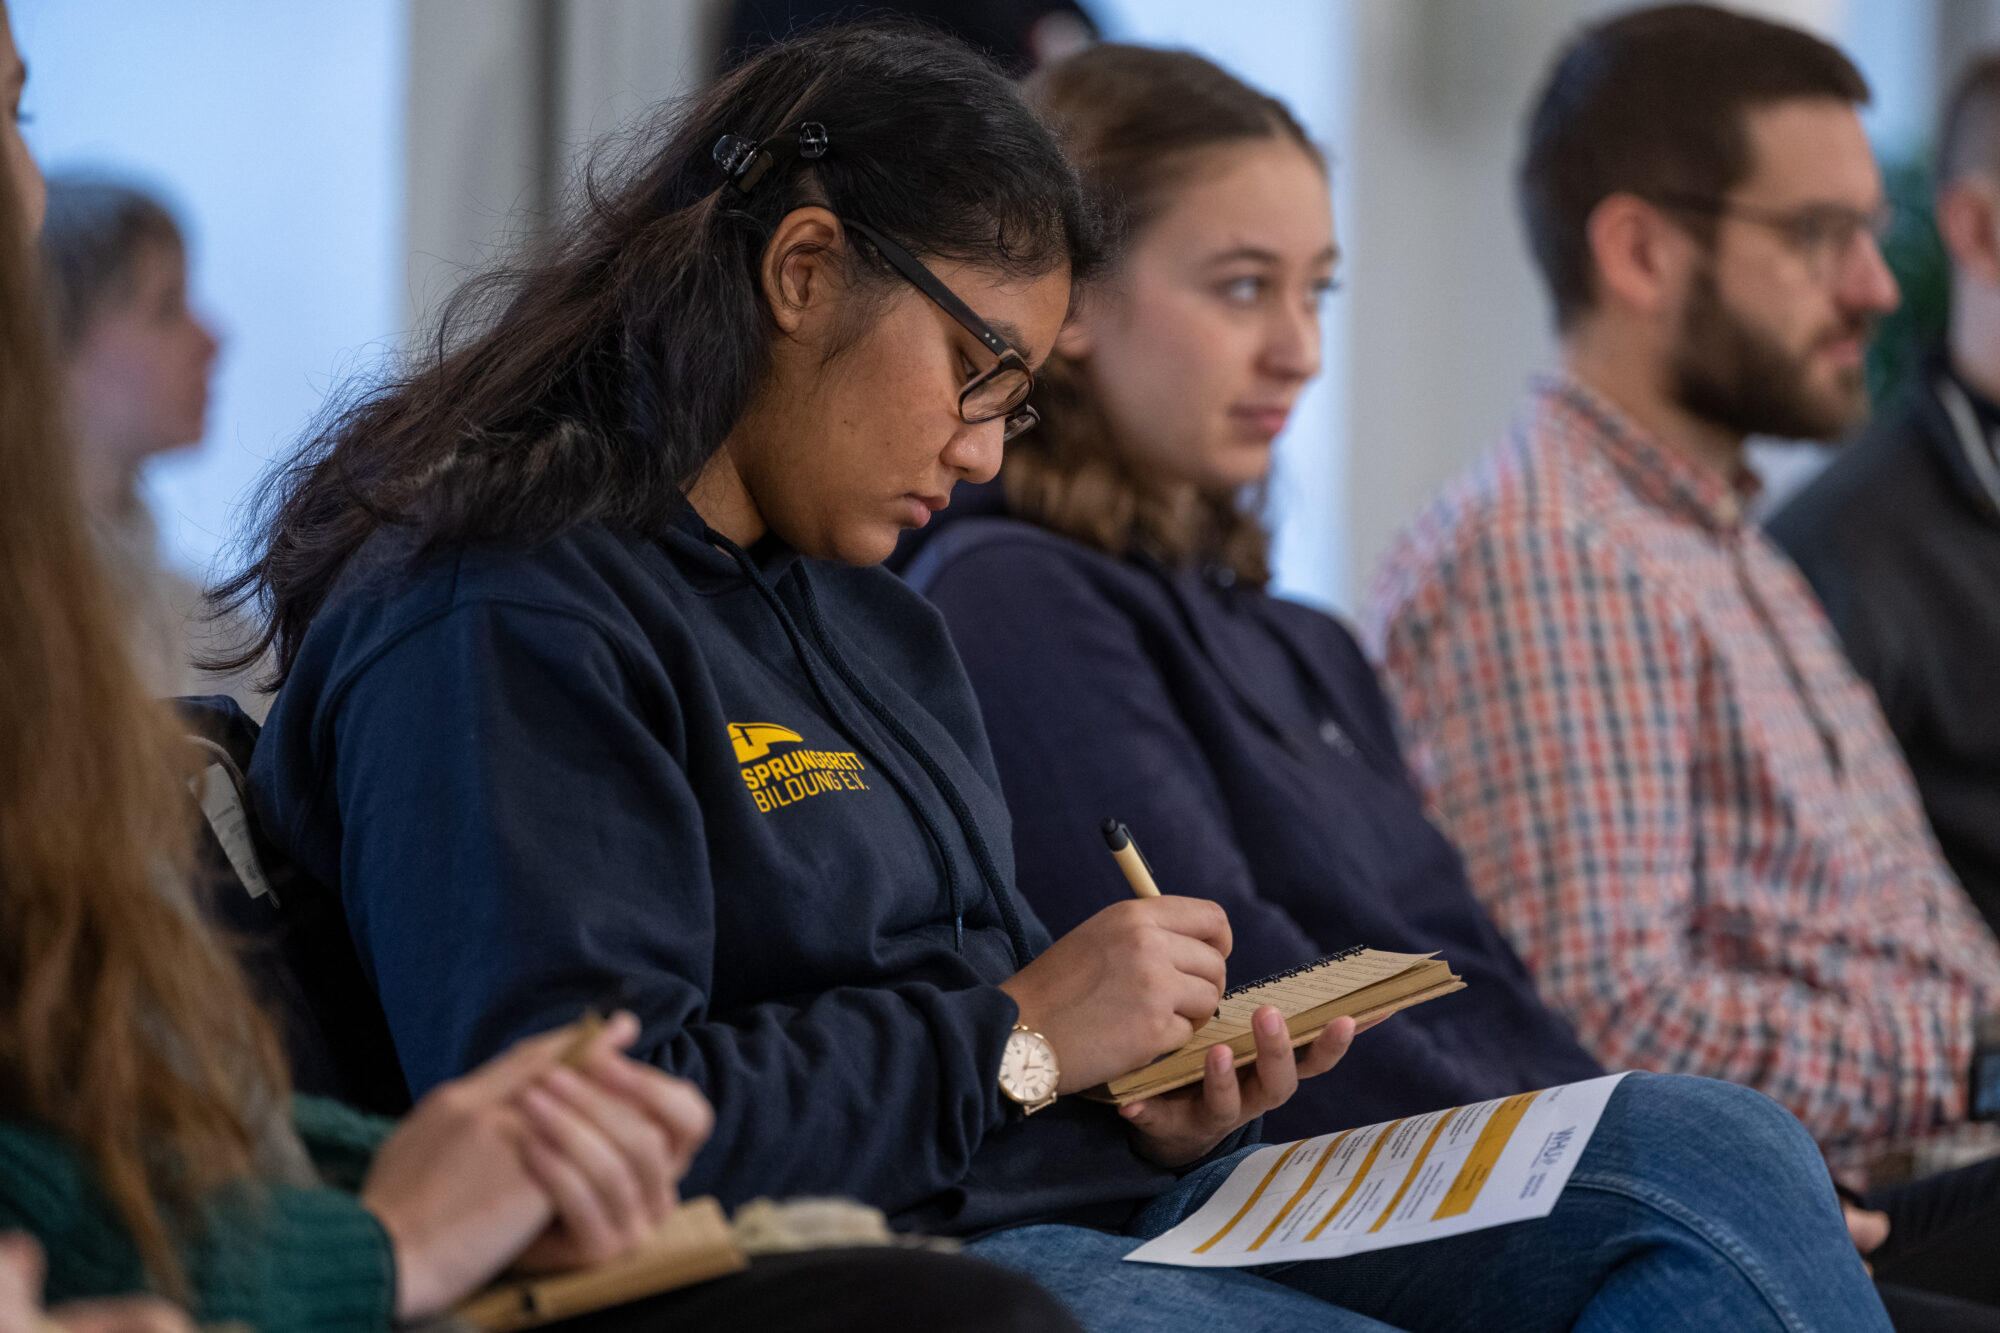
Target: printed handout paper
[1439,1174]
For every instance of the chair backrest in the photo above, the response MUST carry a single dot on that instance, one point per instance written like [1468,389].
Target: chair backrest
[290,931]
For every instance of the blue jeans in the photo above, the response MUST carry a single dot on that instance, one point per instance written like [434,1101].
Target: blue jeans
[1699,1207]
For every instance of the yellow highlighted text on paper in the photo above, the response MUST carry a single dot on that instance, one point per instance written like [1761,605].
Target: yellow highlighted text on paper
[1312,1179]
[1479,1163]
[1251,1202]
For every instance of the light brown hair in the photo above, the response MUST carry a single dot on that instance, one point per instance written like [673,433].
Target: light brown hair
[1140,124]
[124,1027]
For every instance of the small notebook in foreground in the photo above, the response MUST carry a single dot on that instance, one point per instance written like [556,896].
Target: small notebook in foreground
[694,1244]
[1358,983]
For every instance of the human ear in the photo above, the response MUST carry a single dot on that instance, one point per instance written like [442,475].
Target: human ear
[797,273]
[1968,218]
[1640,257]
[1077,336]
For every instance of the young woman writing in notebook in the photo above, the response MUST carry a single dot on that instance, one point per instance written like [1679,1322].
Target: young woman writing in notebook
[581,636]
[148,1140]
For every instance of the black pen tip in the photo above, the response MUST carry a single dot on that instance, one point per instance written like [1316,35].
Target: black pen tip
[1115,836]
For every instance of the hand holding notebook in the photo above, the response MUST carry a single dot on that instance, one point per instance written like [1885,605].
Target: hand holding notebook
[1144,976]
[1361,983]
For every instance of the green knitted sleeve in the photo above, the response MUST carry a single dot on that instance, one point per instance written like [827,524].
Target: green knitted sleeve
[341,1140]
[283,1260]
[286,1260]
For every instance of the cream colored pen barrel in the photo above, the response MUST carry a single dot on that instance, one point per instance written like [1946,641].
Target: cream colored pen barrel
[1136,874]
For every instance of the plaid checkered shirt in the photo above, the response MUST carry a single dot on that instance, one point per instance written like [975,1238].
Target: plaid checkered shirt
[1670,789]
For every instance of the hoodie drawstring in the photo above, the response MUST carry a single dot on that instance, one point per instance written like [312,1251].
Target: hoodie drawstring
[1016,936]
[975,837]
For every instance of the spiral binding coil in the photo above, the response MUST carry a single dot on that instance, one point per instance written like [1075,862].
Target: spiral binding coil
[1352,951]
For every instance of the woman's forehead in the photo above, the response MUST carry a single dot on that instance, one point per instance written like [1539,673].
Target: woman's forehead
[1268,195]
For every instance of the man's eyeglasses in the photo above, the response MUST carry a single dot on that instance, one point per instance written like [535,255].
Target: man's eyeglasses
[999,391]
[1823,234]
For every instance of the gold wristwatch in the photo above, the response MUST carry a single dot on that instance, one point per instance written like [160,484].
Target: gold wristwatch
[1028,1070]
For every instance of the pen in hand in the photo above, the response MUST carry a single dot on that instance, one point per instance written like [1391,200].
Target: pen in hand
[1126,853]
[1130,860]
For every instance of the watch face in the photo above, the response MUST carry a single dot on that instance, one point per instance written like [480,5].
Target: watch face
[1028,1069]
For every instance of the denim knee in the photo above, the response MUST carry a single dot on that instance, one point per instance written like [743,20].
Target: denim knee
[1715,1145]
[1723,1117]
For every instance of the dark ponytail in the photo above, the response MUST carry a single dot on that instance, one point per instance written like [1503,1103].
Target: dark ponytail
[593,382]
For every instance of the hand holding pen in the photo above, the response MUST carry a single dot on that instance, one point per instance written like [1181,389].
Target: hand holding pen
[1126,853]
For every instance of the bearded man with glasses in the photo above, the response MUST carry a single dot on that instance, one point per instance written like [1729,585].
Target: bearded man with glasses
[1670,789]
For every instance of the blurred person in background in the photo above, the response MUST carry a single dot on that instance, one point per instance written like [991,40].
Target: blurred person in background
[1900,536]
[1108,597]
[1629,710]
[135,362]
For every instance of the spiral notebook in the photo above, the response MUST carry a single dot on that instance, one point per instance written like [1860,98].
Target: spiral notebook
[1358,983]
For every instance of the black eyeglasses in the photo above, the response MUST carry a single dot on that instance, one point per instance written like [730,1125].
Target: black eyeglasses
[1000,391]
[1823,234]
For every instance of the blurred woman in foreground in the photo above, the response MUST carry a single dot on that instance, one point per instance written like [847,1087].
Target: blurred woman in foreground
[147,1135]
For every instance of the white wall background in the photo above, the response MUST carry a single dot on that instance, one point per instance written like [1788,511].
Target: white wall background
[506,98]
[275,128]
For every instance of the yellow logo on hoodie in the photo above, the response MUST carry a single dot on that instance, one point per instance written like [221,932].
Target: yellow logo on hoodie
[753,740]
[786,779]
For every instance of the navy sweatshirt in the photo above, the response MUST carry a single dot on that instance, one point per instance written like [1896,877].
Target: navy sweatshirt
[1247,744]
[620,764]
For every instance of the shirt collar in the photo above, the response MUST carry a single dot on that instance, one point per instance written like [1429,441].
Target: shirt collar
[1985,408]
[1968,439]
[1661,476]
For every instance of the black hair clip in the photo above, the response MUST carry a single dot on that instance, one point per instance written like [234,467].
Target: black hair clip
[733,153]
[746,162]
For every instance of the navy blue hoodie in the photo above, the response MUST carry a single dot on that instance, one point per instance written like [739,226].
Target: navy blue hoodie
[752,796]
[1248,745]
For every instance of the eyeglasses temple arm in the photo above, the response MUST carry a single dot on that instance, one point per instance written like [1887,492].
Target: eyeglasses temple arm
[926,282]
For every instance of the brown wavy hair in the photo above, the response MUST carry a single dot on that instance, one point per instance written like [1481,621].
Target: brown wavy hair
[1139,123]
[124,1027]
